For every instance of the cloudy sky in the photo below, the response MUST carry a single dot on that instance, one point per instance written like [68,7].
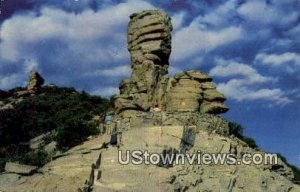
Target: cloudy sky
[250,47]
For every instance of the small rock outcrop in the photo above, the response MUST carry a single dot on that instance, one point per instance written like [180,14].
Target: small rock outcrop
[194,91]
[149,88]
[19,168]
[35,82]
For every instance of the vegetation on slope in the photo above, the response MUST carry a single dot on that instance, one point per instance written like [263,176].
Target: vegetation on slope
[63,111]
[295,169]
[237,130]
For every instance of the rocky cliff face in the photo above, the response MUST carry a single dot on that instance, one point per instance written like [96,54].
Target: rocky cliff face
[149,88]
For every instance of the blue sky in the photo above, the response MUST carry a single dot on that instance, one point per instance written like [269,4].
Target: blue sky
[251,49]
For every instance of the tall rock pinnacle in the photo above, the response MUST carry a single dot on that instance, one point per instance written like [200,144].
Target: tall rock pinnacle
[35,82]
[149,44]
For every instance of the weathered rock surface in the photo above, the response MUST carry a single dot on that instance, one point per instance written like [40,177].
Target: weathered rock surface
[107,174]
[94,165]
[194,91]
[39,141]
[19,169]
[6,106]
[149,44]
[66,173]
[35,82]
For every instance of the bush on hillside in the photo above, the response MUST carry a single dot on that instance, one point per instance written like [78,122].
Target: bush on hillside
[73,132]
[295,169]
[62,110]
[237,130]
[37,158]
[43,113]
[250,141]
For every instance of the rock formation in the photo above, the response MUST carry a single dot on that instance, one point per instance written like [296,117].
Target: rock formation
[149,44]
[35,82]
[19,168]
[34,86]
[160,115]
[194,91]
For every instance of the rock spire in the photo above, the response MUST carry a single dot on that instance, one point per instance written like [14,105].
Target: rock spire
[149,88]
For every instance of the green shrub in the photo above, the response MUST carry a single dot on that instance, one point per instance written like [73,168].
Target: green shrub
[251,142]
[235,129]
[73,132]
[37,158]
[61,110]
[295,169]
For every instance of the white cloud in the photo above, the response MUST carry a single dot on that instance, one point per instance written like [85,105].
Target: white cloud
[106,91]
[196,61]
[9,81]
[221,16]
[66,44]
[177,20]
[276,60]
[239,90]
[120,71]
[246,83]
[31,65]
[259,12]
[294,32]
[77,30]
[174,70]
[195,39]
[232,68]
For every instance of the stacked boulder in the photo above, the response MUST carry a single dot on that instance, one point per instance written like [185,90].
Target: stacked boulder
[149,88]
[194,91]
[149,44]
[35,82]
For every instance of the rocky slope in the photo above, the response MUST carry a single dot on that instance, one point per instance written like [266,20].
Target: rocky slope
[116,177]
[95,166]
[66,173]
